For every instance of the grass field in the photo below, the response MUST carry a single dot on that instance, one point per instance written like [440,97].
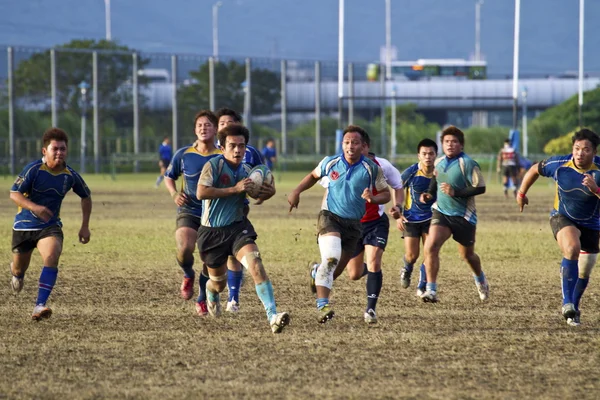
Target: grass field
[120,329]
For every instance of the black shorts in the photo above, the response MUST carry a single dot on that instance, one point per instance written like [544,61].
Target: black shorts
[588,239]
[187,221]
[217,244]
[462,230]
[349,229]
[164,162]
[375,233]
[416,229]
[26,241]
[509,171]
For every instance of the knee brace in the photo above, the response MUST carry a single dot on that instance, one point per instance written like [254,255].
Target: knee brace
[249,259]
[586,263]
[218,278]
[331,251]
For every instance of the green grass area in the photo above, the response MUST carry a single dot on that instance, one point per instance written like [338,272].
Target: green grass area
[120,329]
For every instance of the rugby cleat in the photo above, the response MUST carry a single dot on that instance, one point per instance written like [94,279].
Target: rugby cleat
[312,267]
[279,321]
[187,288]
[575,321]
[40,312]
[370,316]
[568,311]
[16,284]
[430,296]
[420,291]
[214,308]
[232,307]
[201,308]
[405,277]
[325,314]
[483,289]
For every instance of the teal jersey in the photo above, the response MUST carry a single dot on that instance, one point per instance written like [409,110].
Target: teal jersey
[224,211]
[460,172]
[188,163]
[347,183]
[48,188]
[572,199]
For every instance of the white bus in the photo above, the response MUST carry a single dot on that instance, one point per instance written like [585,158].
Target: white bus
[426,69]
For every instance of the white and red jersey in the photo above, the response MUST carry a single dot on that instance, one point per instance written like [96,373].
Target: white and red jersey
[508,156]
[393,178]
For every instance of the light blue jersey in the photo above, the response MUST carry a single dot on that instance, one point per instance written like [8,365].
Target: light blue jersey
[48,188]
[224,211]
[572,199]
[460,172]
[347,183]
[416,182]
[188,162]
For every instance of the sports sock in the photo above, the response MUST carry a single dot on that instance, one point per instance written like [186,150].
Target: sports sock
[322,302]
[188,268]
[212,296]
[480,278]
[408,266]
[46,283]
[374,282]
[422,277]
[159,180]
[265,294]
[432,286]
[234,281]
[569,270]
[579,289]
[202,281]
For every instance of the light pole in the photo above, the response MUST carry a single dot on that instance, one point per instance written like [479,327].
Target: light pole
[515,91]
[107,22]
[340,60]
[83,87]
[525,136]
[215,23]
[478,5]
[388,40]
[580,100]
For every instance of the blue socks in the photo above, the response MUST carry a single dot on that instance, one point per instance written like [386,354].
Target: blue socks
[159,180]
[264,290]
[46,283]
[422,278]
[578,291]
[374,283]
[322,302]
[202,282]
[408,267]
[569,270]
[431,286]
[188,268]
[234,281]
[480,278]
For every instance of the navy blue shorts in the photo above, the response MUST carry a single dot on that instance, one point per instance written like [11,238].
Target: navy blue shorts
[375,233]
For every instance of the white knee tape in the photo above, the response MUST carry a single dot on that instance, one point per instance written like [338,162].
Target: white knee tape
[249,258]
[331,251]
[586,263]
[218,278]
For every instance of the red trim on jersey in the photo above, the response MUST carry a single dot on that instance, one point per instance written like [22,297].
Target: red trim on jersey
[371,210]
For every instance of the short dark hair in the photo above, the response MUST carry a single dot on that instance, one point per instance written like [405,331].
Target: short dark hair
[506,140]
[55,134]
[427,143]
[208,114]
[363,134]
[228,111]
[587,134]
[454,131]
[233,130]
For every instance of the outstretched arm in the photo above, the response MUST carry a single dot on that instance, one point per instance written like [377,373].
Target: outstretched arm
[86,211]
[305,184]
[528,180]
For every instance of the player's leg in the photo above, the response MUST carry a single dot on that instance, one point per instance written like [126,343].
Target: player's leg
[373,257]
[568,238]
[22,248]
[587,259]
[234,282]
[411,254]
[515,179]
[217,282]
[163,168]
[439,232]
[356,267]
[421,286]
[185,238]
[214,246]
[464,233]
[201,307]
[249,256]
[50,247]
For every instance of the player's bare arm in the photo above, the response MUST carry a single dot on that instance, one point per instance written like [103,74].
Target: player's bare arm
[86,211]
[528,180]
[306,183]
[380,198]
[40,211]
[210,192]
[179,198]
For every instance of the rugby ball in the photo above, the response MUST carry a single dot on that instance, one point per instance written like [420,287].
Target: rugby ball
[258,175]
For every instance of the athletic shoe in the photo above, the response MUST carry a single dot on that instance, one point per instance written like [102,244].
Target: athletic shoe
[405,278]
[232,307]
[17,284]
[214,308]
[325,314]
[279,321]
[201,308]
[187,288]
[420,292]
[575,321]
[370,316]
[430,296]
[568,311]
[40,312]
[312,267]
[484,289]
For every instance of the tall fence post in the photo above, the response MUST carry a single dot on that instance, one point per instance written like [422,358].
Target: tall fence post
[248,95]
[393,140]
[96,112]
[53,104]
[350,94]
[211,83]
[283,107]
[382,115]
[174,117]
[136,113]
[317,107]
[11,109]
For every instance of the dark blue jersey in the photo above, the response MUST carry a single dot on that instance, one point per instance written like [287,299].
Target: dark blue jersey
[48,188]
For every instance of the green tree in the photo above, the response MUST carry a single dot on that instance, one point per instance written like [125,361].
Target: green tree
[560,145]
[74,65]
[229,91]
